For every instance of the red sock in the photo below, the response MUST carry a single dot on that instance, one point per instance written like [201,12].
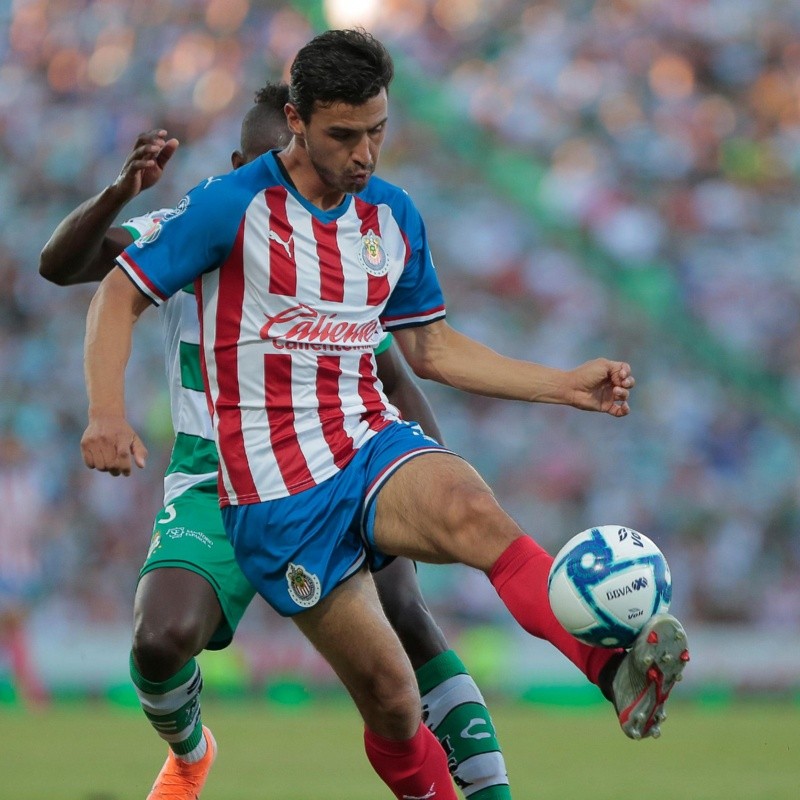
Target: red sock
[22,669]
[520,578]
[414,768]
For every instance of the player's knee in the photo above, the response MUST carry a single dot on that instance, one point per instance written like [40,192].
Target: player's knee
[162,647]
[399,709]
[389,701]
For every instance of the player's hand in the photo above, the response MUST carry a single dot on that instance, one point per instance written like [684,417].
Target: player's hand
[602,385]
[109,444]
[145,164]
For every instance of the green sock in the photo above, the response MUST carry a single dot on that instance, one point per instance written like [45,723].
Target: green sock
[454,709]
[173,708]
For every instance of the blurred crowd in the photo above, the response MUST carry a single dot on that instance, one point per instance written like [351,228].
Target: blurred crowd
[663,139]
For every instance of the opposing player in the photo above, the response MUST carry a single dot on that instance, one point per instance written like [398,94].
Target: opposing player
[191,593]
[299,259]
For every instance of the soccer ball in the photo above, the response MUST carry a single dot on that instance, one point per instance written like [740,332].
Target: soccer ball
[606,582]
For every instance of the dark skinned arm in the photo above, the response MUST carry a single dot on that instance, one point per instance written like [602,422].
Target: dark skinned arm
[404,393]
[83,246]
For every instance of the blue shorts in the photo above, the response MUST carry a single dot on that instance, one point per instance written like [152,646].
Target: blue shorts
[295,550]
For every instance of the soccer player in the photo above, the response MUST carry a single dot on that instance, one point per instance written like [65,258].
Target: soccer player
[22,572]
[299,259]
[191,594]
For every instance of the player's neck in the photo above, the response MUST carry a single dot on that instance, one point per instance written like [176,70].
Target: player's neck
[306,179]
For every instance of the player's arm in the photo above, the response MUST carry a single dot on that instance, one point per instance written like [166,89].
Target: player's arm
[109,443]
[404,393]
[438,352]
[84,245]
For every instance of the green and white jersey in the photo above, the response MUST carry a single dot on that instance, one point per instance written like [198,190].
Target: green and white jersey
[194,459]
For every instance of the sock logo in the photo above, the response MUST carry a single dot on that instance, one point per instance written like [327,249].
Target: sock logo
[431,793]
[468,734]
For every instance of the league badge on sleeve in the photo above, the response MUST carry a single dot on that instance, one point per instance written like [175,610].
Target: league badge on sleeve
[150,235]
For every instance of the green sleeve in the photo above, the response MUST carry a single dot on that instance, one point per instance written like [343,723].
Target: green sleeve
[384,344]
[134,232]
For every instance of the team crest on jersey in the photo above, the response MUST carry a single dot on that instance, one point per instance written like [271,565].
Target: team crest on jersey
[372,256]
[154,231]
[155,543]
[304,587]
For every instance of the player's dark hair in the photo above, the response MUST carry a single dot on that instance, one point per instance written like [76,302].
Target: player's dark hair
[339,66]
[265,123]
[274,95]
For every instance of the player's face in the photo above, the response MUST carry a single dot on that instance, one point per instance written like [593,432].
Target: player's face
[343,142]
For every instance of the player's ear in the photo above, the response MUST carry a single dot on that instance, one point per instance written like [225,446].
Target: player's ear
[237,159]
[293,120]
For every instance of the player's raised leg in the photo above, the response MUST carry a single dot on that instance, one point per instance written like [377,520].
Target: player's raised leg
[350,630]
[452,703]
[437,508]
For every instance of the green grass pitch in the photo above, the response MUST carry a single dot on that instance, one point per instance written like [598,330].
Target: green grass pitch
[83,751]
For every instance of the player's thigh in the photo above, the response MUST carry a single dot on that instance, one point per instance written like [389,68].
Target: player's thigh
[437,508]
[190,579]
[171,593]
[350,630]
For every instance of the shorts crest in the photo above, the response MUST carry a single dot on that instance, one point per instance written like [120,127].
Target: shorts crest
[304,587]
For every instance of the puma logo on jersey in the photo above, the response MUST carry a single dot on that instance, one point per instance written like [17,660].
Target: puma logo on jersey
[431,793]
[288,245]
[209,181]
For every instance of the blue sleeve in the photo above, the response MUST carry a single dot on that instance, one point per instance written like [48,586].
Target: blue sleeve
[194,237]
[417,298]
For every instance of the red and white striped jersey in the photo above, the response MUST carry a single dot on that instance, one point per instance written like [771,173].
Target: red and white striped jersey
[292,301]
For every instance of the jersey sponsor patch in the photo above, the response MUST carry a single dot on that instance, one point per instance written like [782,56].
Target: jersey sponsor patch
[180,532]
[304,587]
[302,323]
